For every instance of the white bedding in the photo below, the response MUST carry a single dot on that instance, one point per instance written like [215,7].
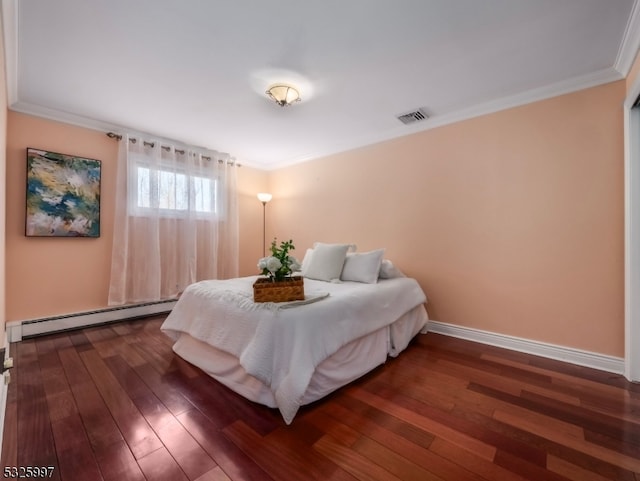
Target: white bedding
[279,346]
[348,363]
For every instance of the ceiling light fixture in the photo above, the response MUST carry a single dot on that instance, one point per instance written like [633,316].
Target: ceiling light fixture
[283,95]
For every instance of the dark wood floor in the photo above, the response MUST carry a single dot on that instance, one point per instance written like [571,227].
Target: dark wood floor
[114,403]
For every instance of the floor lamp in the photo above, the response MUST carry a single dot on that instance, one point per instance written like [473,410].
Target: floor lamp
[264,198]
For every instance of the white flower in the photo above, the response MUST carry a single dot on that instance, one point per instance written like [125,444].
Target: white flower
[279,265]
[273,264]
[262,263]
[294,265]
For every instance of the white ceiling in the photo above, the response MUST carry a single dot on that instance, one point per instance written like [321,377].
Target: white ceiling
[195,71]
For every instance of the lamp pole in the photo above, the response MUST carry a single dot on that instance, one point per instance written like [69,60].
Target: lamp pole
[264,198]
[264,229]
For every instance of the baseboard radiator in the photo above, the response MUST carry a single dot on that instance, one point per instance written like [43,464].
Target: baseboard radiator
[19,330]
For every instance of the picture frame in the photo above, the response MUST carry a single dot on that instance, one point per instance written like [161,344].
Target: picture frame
[63,195]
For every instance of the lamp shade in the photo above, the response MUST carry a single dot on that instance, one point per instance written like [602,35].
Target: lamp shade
[283,95]
[264,197]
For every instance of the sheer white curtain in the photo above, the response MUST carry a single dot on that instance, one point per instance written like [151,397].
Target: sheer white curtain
[176,220]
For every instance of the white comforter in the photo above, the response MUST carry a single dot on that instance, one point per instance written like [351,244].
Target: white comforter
[283,346]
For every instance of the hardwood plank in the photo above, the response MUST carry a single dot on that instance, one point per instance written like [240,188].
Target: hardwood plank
[79,463]
[609,456]
[60,400]
[26,352]
[234,462]
[552,448]
[463,359]
[69,433]
[153,352]
[530,416]
[471,462]
[80,341]
[222,406]
[191,458]
[606,386]
[216,474]
[325,424]
[367,419]
[528,470]
[398,465]
[188,454]
[129,354]
[61,340]
[118,464]
[398,445]
[295,442]
[625,409]
[281,461]
[127,377]
[134,428]
[74,451]
[74,369]
[160,466]
[98,422]
[170,395]
[33,427]
[625,434]
[98,334]
[354,463]
[433,393]
[573,472]
[425,422]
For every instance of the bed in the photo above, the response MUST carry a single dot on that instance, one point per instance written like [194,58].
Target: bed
[286,355]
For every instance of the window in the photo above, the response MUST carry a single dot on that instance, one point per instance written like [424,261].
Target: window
[174,193]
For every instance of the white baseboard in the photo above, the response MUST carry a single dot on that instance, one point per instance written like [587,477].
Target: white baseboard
[551,351]
[17,330]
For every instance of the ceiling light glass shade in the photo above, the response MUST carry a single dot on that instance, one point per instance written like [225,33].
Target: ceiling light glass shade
[283,95]
[264,197]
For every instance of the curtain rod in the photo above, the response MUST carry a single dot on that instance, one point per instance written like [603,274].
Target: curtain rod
[113,135]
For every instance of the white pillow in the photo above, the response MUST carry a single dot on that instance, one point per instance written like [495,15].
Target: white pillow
[306,261]
[389,271]
[326,261]
[362,267]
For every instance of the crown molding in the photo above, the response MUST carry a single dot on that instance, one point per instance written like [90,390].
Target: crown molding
[557,89]
[64,117]
[630,42]
[534,95]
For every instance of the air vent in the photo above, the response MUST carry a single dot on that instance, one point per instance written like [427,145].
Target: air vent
[414,116]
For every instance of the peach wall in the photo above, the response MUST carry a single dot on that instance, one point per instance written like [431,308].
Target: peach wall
[250,182]
[53,276]
[511,222]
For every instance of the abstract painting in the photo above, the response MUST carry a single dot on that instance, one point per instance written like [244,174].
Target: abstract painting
[63,195]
